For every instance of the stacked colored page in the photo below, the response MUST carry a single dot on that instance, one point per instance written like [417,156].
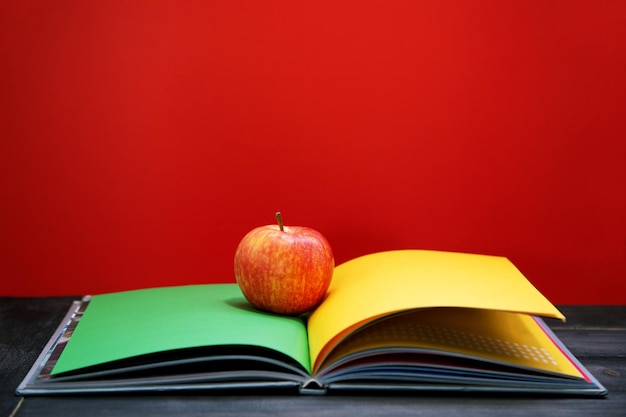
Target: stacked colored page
[409,320]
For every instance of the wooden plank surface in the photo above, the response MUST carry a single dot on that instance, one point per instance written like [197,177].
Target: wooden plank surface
[595,334]
[424,405]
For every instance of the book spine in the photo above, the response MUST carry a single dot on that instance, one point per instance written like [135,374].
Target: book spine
[312,387]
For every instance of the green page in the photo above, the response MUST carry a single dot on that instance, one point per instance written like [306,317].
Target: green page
[125,324]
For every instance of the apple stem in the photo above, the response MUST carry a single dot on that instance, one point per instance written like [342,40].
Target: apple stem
[279,219]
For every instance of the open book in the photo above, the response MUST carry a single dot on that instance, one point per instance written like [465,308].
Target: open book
[399,320]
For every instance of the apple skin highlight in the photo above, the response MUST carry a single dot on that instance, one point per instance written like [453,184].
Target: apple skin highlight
[284,271]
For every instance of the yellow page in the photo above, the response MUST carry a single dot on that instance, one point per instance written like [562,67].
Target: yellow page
[497,336]
[378,284]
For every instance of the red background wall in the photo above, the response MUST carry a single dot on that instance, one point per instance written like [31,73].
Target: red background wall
[141,140]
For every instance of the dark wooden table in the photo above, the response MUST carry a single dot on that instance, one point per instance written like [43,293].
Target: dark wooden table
[595,334]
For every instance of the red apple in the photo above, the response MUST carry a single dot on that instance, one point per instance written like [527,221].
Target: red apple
[283,269]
